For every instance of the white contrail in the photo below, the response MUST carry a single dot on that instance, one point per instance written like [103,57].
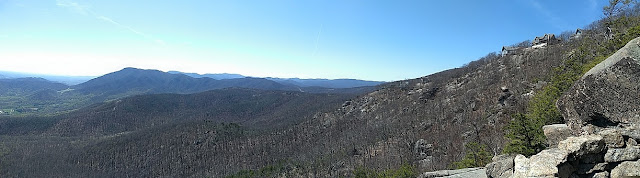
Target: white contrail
[85,10]
[317,39]
[73,6]
[107,19]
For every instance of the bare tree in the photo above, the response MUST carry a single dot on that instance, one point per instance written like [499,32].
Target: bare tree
[616,7]
[566,35]
[523,44]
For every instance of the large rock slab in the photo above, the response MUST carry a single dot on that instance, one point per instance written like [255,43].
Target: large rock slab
[545,163]
[501,166]
[458,173]
[582,145]
[608,94]
[556,133]
[555,162]
[629,153]
[631,131]
[627,169]
[521,166]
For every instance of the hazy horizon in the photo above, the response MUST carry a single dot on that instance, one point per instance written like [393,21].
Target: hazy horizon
[24,74]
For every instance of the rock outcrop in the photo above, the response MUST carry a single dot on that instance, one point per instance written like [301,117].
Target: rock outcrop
[622,154]
[627,169]
[587,155]
[501,166]
[560,161]
[556,133]
[602,110]
[608,95]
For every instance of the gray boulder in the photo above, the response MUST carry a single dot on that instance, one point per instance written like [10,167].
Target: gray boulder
[608,94]
[631,131]
[556,133]
[501,166]
[612,138]
[557,161]
[582,145]
[545,163]
[601,175]
[627,169]
[521,166]
[632,142]
[629,153]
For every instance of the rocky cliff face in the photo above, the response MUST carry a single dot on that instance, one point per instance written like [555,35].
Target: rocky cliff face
[602,111]
[607,95]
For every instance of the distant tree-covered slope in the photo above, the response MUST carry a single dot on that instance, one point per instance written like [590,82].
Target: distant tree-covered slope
[187,149]
[29,96]
[326,83]
[69,80]
[21,86]
[319,83]
[259,109]
[213,76]
[100,138]
[178,149]
[131,81]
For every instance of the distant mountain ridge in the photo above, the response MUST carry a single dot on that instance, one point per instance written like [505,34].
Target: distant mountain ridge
[297,82]
[28,87]
[213,76]
[324,83]
[69,80]
[45,96]
[327,83]
[131,81]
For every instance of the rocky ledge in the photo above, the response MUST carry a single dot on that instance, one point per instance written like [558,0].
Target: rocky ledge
[600,139]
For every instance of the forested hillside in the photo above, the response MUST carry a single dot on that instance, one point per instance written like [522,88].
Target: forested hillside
[115,125]
[32,95]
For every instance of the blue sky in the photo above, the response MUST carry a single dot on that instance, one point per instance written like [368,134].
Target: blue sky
[371,40]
